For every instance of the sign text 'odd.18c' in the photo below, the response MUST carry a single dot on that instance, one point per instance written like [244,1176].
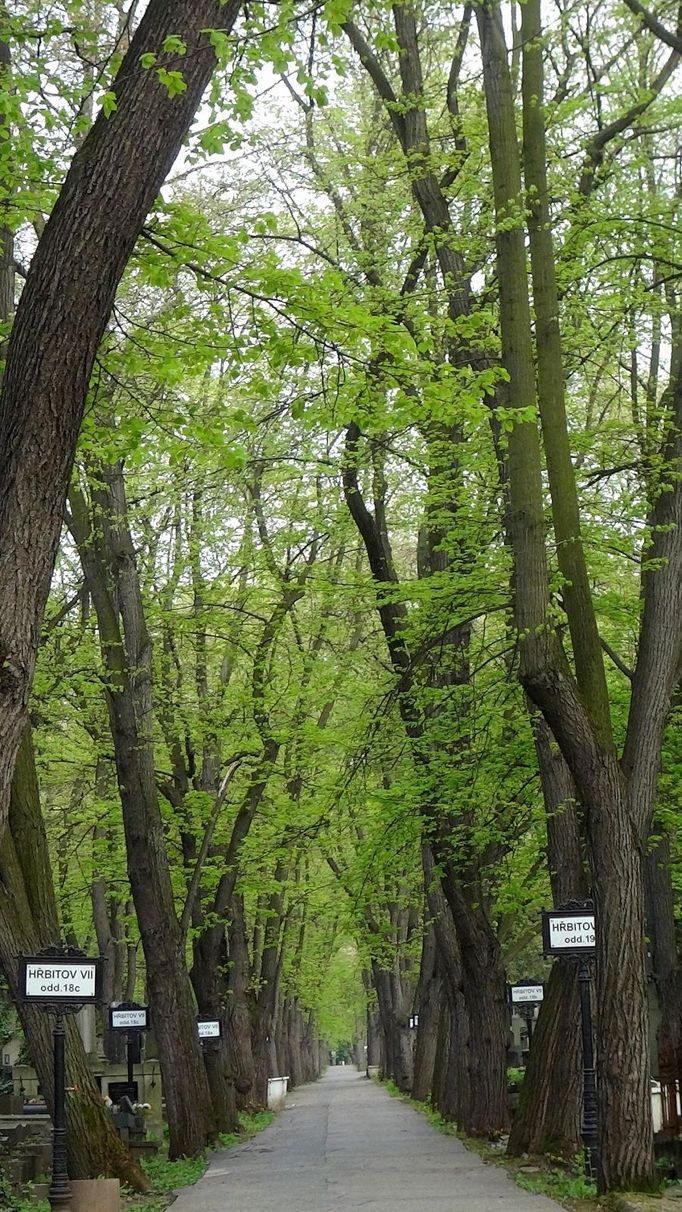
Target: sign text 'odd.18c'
[59,980]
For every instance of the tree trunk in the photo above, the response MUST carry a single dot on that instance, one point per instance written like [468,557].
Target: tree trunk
[63,311]
[664,977]
[442,1098]
[549,1113]
[548,1116]
[28,922]
[452,1049]
[428,1008]
[242,1065]
[617,798]
[108,560]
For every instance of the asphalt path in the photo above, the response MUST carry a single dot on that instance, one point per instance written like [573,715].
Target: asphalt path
[343,1144]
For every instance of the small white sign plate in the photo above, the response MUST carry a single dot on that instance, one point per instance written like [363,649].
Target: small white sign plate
[527,993]
[128,1020]
[60,980]
[208,1030]
[573,931]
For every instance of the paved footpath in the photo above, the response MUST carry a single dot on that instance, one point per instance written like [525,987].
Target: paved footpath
[343,1144]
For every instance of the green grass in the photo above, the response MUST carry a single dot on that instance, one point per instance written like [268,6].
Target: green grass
[433,1116]
[515,1077]
[10,1202]
[556,1181]
[167,1176]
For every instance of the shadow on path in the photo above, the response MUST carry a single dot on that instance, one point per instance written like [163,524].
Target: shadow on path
[344,1144]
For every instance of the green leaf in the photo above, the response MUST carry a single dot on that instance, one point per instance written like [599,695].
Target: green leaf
[172,81]
[175,45]
[109,103]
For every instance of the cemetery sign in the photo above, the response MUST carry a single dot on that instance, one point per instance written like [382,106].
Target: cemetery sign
[209,1028]
[59,979]
[568,931]
[526,994]
[126,1017]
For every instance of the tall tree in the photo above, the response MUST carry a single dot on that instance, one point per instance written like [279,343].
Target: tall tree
[618,797]
[63,311]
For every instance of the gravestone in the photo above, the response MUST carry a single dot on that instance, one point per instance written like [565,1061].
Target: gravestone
[96,1195]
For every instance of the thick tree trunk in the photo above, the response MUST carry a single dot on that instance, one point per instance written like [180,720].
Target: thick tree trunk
[548,1117]
[394,1010]
[622,1002]
[428,1008]
[28,922]
[310,1050]
[63,311]
[441,1097]
[294,1030]
[484,994]
[108,560]
[664,977]
[373,1024]
[241,1062]
[617,798]
[451,1068]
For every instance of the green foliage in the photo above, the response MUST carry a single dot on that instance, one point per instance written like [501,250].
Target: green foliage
[559,1183]
[250,1124]
[166,1176]
[341,1000]
[269,304]
[515,1077]
[11,1202]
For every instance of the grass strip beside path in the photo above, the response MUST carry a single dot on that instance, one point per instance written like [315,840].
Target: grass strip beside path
[168,1177]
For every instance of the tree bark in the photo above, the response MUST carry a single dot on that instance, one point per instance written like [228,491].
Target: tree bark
[428,1008]
[617,797]
[108,561]
[64,307]
[664,976]
[28,922]
[548,1117]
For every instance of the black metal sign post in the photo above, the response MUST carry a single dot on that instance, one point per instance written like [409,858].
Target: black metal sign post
[589,1125]
[60,980]
[569,931]
[132,1018]
[59,1193]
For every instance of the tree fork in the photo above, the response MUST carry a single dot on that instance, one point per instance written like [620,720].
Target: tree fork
[626,1141]
[589,661]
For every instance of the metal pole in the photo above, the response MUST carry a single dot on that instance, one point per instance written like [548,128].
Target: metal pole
[59,1193]
[529,1017]
[130,1036]
[589,1125]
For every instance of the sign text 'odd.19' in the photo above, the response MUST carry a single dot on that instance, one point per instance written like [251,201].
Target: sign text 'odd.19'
[568,932]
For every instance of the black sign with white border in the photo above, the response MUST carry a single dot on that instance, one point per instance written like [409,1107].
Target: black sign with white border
[128,1016]
[60,979]
[569,931]
[209,1028]
[526,994]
